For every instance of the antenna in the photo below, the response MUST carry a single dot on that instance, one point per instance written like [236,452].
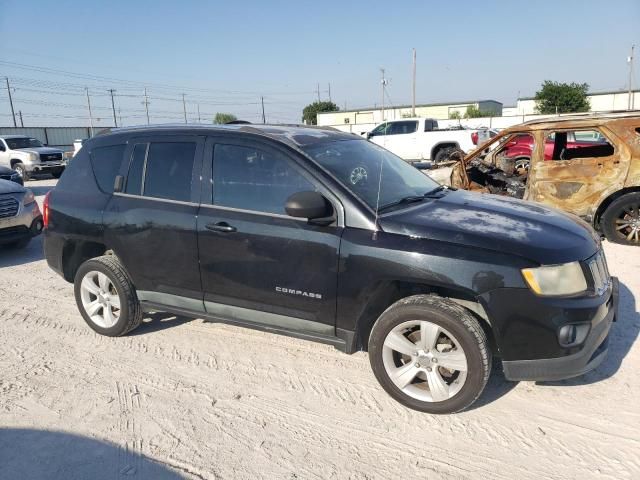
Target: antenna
[376,227]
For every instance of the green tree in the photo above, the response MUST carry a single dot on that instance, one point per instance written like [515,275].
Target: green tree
[310,112]
[222,118]
[557,97]
[455,115]
[475,112]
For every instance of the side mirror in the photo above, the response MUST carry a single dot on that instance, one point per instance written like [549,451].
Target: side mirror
[369,135]
[118,184]
[312,206]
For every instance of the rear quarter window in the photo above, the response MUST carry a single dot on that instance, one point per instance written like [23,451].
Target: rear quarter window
[105,162]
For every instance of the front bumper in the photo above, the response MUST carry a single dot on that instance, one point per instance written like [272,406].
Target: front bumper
[591,354]
[45,167]
[27,223]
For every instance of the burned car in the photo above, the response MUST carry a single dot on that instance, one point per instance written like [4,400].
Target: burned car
[585,165]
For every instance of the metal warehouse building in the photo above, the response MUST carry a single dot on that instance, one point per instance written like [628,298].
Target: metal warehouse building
[600,102]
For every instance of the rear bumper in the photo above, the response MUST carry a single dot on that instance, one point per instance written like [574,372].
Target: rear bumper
[593,352]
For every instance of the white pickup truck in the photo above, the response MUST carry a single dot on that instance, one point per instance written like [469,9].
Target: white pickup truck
[418,139]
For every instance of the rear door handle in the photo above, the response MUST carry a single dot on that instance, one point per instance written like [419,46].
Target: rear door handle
[220,227]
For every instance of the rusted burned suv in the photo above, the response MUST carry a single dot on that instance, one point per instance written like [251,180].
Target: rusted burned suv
[585,165]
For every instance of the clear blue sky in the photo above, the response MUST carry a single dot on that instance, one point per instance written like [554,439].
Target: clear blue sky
[466,50]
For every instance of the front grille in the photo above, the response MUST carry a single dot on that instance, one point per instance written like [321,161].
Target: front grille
[8,207]
[600,277]
[50,157]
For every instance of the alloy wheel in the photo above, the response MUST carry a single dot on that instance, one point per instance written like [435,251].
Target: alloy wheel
[628,223]
[100,299]
[424,361]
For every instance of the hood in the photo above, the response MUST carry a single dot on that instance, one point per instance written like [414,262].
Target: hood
[498,223]
[40,150]
[7,186]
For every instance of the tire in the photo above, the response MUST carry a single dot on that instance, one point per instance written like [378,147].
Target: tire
[454,330]
[57,173]
[444,154]
[122,320]
[620,222]
[22,170]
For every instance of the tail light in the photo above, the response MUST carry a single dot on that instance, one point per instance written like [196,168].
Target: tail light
[474,138]
[45,210]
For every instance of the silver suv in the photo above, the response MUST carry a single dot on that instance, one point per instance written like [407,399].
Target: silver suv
[27,155]
[20,217]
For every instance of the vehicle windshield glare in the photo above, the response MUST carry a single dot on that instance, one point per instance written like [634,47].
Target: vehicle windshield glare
[18,143]
[356,163]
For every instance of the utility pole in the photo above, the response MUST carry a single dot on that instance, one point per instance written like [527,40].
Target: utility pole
[120,115]
[20,115]
[264,120]
[146,104]
[184,109]
[13,113]
[413,103]
[198,106]
[630,102]
[113,107]
[383,83]
[86,89]
[318,91]
[329,91]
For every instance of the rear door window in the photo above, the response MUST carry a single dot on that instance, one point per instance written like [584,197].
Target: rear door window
[105,162]
[168,170]
[162,170]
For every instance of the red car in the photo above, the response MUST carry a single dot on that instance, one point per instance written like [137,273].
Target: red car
[521,146]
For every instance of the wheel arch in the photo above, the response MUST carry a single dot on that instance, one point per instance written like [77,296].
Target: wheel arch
[387,293]
[441,145]
[76,252]
[609,200]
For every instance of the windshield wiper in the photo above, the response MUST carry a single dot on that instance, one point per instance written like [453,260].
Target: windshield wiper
[438,189]
[402,201]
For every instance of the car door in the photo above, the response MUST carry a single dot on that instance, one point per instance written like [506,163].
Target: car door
[259,265]
[575,177]
[151,223]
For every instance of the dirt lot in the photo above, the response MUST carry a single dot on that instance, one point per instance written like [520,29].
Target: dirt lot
[189,399]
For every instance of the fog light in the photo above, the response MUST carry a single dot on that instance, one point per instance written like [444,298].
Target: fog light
[575,334]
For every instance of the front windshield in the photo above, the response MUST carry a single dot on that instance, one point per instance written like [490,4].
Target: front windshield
[18,143]
[356,163]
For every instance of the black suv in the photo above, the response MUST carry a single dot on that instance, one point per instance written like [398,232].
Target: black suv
[325,236]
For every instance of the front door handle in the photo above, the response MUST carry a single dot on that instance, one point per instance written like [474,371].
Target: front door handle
[220,227]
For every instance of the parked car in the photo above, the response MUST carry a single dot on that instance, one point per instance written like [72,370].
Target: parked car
[7,173]
[27,156]
[420,139]
[588,166]
[20,218]
[294,230]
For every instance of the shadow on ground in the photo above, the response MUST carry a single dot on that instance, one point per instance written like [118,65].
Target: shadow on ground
[11,257]
[623,334]
[41,454]
[156,321]
[40,191]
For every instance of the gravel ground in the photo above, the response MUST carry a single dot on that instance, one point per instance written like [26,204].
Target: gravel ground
[187,399]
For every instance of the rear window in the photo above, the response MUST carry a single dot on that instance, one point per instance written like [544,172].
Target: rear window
[106,163]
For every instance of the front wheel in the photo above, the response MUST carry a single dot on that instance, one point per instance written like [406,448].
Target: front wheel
[22,170]
[621,220]
[430,354]
[106,297]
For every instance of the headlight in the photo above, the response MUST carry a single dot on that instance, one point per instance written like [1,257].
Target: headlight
[556,280]
[29,198]
[33,157]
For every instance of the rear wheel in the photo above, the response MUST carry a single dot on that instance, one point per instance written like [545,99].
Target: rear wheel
[430,354]
[443,154]
[106,297]
[621,220]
